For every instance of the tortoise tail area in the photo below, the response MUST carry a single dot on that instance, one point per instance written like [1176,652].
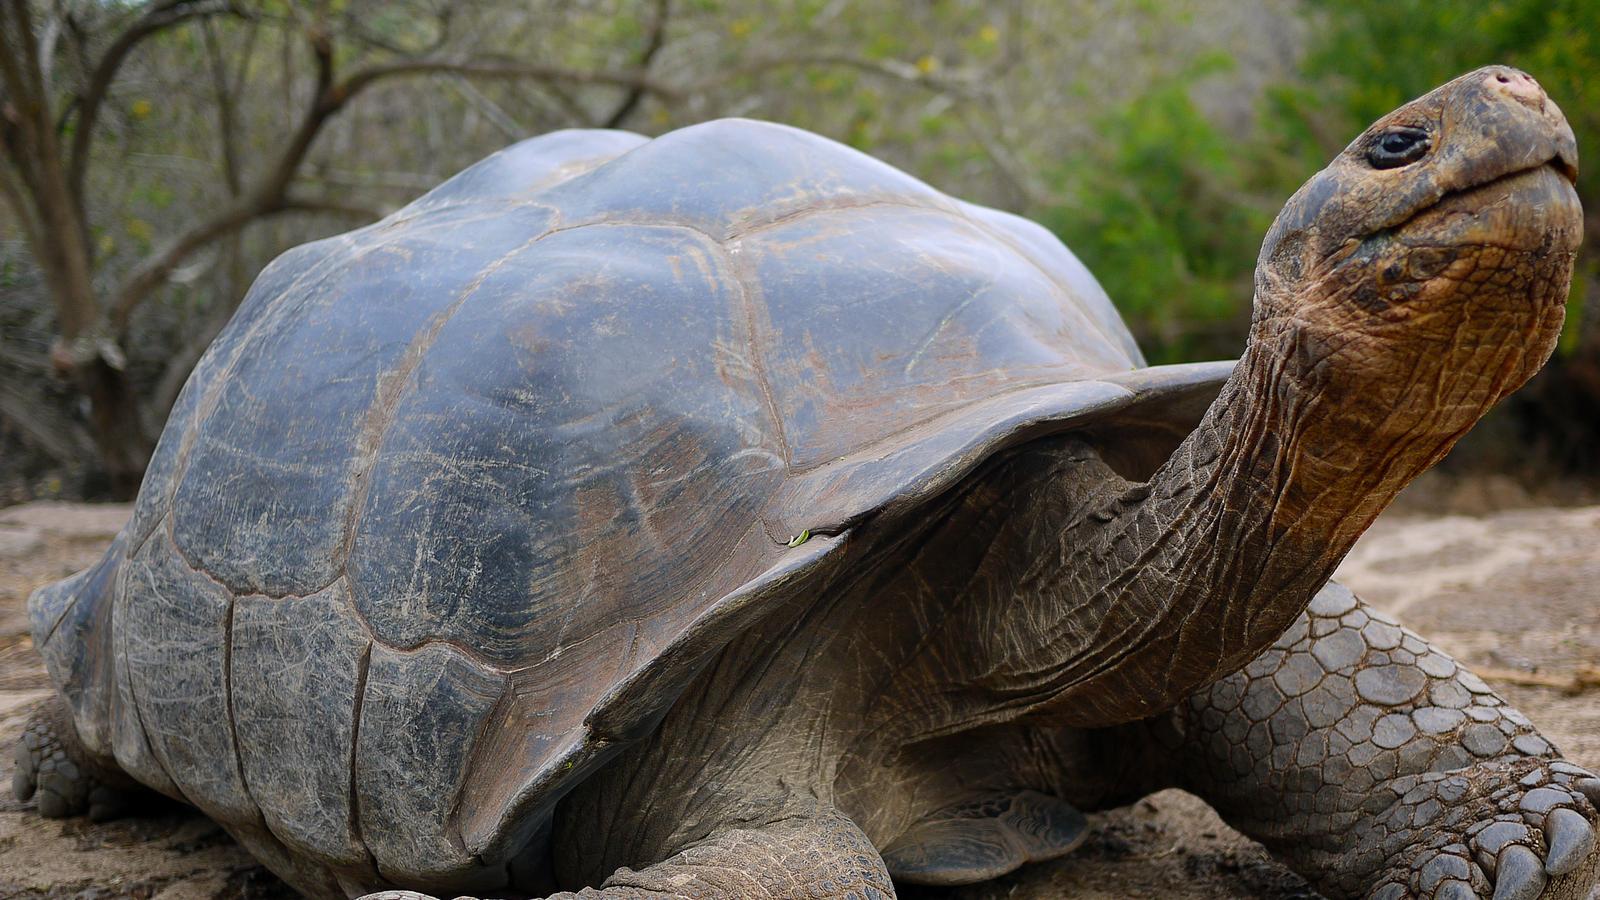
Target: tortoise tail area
[71,625]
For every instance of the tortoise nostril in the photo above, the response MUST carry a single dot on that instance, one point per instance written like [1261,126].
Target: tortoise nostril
[1523,88]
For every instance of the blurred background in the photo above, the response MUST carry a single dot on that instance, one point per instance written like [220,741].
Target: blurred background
[154,156]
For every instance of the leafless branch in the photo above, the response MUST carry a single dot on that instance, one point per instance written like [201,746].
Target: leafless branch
[331,207]
[270,197]
[12,192]
[158,268]
[996,144]
[569,106]
[157,18]
[653,45]
[410,182]
[222,96]
[490,110]
[354,27]
[489,68]
[896,70]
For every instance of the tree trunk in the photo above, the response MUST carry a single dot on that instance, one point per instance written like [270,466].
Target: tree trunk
[115,426]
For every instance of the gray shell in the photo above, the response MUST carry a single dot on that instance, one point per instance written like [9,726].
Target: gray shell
[459,502]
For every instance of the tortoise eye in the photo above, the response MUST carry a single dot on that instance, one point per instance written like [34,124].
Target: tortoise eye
[1397,148]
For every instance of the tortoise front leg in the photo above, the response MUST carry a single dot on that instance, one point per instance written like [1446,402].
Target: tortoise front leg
[1374,764]
[816,857]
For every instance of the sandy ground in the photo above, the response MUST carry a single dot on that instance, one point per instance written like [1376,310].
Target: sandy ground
[1513,593]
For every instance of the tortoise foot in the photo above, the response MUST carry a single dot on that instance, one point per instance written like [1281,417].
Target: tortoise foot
[1501,830]
[54,767]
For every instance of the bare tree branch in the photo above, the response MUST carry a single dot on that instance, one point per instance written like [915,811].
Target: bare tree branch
[49,35]
[270,197]
[156,270]
[157,18]
[222,96]
[490,110]
[896,70]
[30,82]
[490,68]
[31,145]
[12,192]
[996,143]
[331,207]
[653,45]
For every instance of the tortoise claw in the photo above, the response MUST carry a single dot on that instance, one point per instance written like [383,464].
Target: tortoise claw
[1517,830]
[1519,875]
[1590,787]
[1571,839]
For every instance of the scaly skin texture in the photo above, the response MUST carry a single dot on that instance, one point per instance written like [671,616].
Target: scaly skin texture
[1327,747]
[53,764]
[1367,759]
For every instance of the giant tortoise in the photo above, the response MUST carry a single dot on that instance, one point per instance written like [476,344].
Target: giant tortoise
[731,515]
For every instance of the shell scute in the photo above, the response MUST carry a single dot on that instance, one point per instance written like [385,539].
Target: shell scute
[519,172]
[522,478]
[420,721]
[939,315]
[726,176]
[174,645]
[301,660]
[295,413]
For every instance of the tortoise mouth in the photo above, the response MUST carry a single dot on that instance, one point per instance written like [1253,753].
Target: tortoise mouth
[1533,209]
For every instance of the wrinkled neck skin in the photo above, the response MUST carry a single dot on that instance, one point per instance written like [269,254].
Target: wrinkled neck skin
[1099,601]
[1188,576]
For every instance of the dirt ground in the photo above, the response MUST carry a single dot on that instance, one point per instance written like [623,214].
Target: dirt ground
[1513,592]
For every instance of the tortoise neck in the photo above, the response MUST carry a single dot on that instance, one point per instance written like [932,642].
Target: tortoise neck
[1199,569]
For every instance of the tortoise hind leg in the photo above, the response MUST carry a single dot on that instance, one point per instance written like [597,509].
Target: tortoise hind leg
[818,857]
[53,765]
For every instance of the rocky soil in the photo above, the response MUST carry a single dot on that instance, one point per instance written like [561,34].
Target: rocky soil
[1514,593]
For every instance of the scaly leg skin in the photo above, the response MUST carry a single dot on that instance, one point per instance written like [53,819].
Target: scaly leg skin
[1373,764]
[53,764]
[815,857]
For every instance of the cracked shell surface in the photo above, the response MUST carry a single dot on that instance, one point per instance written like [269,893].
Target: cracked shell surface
[463,498]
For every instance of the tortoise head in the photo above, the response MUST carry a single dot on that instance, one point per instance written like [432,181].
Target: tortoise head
[1422,275]
[1404,289]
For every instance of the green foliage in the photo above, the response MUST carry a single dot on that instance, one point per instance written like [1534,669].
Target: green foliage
[1160,211]
[1167,209]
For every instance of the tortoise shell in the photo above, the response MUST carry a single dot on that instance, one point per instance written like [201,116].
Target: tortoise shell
[458,503]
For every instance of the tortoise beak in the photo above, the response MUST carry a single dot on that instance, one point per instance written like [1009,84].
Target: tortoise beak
[1566,162]
[1565,158]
